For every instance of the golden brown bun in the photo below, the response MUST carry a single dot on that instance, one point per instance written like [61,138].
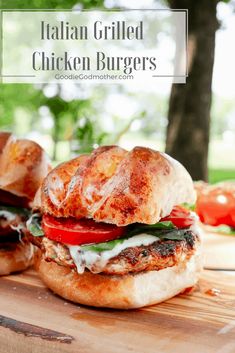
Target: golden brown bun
[4,136]
[23,166]
[113,185]
[15,257]
[121,292]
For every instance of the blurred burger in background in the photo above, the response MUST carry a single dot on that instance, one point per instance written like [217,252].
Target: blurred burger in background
[23,166]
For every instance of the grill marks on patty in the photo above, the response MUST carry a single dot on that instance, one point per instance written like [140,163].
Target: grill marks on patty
[156,256]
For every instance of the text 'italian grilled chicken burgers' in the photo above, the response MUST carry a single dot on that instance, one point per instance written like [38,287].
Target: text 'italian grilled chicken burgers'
[23,166]
[112,230]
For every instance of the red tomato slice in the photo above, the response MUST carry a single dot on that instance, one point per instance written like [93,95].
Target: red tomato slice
[180,217]
[77,232]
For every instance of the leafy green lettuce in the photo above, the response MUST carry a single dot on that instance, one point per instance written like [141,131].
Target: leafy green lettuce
[34,225]
[188,206]
[162,230]
[15,210]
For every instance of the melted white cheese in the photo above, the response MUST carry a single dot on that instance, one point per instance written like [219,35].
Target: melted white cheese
[7,215]
[96,261]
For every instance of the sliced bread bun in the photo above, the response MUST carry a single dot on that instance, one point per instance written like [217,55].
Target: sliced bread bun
[15,257]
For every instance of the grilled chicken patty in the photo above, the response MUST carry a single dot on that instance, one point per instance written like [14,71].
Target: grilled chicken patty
[156,256]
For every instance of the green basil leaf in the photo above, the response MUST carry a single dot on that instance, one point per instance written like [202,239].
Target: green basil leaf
[174,234]
[109,245]
[188,206]
[149,228]
[34,225]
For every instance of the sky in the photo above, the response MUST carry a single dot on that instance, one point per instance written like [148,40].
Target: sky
[224,66]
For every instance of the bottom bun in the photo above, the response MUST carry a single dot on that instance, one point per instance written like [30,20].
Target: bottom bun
[15,257]
[121,292]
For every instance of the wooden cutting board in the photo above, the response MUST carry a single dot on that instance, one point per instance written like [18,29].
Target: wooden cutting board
[33,320]
[218,251]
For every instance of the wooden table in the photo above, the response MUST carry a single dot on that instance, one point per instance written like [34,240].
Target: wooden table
[219,251]
[33,320]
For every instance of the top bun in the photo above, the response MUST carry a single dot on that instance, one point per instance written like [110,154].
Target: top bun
[23,166]
[115,186]
[4,136]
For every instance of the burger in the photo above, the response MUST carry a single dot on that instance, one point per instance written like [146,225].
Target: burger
[23,165]
[114,230]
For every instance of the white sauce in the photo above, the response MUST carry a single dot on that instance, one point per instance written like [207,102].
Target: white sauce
[96,261]
[8,215]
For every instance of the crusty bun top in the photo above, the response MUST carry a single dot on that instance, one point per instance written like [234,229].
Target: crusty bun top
[115,186]
[4,136]
[23,166]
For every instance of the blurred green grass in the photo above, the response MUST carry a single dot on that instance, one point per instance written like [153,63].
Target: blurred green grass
[216,175]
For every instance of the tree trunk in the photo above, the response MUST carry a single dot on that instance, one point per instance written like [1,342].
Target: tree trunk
[190,103]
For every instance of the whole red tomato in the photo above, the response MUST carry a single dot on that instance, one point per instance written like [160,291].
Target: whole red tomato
[216,204]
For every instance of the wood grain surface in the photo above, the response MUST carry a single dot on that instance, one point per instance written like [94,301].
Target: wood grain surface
[33,320]
[219,251]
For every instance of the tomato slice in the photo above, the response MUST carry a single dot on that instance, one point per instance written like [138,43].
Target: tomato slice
[86,231]
[77,232]
[180,217]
